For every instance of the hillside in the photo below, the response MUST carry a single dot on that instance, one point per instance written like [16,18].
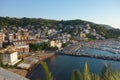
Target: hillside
[69,26]
[106,26]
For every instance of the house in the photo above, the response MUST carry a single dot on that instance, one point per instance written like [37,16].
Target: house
[82,35]
[19,35]
[52,43]
[22,46]
[2,38]
[22,49]
[9,56]
[23,42]
[56,43]
[11,37]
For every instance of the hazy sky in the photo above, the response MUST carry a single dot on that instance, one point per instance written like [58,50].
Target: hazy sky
[98,11]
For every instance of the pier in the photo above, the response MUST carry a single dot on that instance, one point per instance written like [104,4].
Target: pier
[114,58]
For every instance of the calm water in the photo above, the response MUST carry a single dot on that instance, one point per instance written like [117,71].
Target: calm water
[100,52]
[62,66]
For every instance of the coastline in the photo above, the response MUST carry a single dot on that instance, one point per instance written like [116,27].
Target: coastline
[42,56]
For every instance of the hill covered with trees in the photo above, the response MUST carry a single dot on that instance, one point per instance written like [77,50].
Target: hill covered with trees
[69,26]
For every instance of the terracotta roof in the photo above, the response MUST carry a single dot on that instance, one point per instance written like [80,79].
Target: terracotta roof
[9,50]
[26,40]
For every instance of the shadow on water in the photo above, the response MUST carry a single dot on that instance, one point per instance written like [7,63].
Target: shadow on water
[37,73]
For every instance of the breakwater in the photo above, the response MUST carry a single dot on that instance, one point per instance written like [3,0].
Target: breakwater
[91,56]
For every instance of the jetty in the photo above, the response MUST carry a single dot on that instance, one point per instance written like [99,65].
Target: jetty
[114,58]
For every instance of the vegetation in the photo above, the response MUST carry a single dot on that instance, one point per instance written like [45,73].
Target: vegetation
[41,46]
[47,72]
[29,23]
[107,73]
[6,65]
[85,75]
[7,21]
[64,44]
[76,75]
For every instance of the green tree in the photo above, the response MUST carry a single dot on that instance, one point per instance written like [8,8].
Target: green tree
[47,72]
[86,73]
[76,75]
[109,74]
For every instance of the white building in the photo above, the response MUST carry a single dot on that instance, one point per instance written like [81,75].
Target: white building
[9,56]
[59,45]
[56,43]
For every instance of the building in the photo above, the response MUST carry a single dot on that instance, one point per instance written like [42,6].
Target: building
[11,37]
[9,56]
[52,43]
[21,46]
[19,35]
[82,35]
[22,49]
[22,42]
[2,39]
[2,36]
[56,43]
[59,45]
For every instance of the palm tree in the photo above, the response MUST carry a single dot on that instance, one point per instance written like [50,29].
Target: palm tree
[76,75]
[86,73]
[109,74]
[47,72]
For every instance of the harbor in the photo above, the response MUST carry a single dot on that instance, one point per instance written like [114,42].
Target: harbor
[93,56]
[82,49]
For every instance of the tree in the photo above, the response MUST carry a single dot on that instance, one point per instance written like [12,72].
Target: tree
[47,72]
[86,73]
[76,75]
[109,74]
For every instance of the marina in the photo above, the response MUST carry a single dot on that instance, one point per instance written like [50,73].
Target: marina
[73,57]
[87,50]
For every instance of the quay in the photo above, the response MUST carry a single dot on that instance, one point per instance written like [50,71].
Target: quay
[34,59]
[30,62]
[114,58]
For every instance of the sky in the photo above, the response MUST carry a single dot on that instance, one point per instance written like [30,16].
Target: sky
[97,11]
